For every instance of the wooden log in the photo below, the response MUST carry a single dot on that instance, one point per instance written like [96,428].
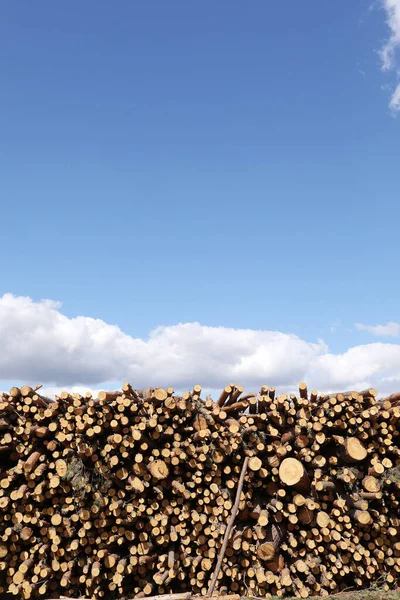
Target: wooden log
[158,469]
[275,535]
[292,473]
[392,399]
[352,450]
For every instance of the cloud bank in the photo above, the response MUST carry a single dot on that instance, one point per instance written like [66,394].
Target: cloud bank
[39,344]
[392,44]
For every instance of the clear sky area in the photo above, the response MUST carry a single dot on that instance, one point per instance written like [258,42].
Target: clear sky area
[200,192]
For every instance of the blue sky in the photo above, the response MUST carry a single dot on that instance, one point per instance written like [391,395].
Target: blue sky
[233,164]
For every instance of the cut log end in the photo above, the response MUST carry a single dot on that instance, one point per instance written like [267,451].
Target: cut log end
[159,470]
[354,450]
[266,552]
[293,473]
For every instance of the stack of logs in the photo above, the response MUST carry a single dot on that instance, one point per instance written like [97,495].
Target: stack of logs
[133,493]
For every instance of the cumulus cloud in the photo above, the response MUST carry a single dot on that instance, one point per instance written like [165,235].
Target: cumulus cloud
[392,44]
[359,366]
[39,344]
[391,329]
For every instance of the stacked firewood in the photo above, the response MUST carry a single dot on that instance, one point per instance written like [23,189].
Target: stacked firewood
[136,493]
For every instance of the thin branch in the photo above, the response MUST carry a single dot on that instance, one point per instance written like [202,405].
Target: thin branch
[228,528]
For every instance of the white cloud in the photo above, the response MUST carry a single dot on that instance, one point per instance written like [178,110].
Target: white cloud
[388,52]
[394,103]
[391,329]
[39,344]
[359,366]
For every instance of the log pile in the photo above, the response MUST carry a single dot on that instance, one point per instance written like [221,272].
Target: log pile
[136,493]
